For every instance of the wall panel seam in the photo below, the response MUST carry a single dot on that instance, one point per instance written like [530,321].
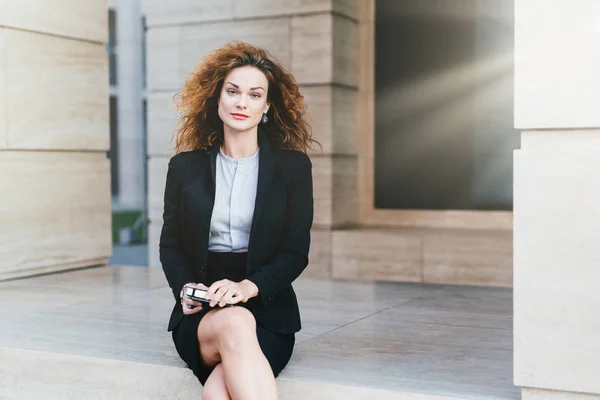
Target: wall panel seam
[237,19]
[56,35]
[4,103]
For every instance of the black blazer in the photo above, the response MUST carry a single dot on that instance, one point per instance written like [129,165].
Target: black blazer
[279,235]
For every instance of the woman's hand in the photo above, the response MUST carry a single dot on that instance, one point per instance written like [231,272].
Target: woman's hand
[227,292]
[190,306]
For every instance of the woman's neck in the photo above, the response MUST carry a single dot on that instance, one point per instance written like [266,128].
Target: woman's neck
[240,144]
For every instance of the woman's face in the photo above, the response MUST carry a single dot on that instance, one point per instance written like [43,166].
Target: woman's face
[243,99]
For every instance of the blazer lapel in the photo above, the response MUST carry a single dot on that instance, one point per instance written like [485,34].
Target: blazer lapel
[214,151]
[265,176]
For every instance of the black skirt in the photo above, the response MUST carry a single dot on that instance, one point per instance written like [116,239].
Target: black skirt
[276,347]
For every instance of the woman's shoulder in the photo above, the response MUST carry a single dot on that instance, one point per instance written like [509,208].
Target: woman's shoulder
[182,161]
[293,159]
[185,157]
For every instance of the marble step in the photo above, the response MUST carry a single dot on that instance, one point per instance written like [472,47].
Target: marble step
[33,375]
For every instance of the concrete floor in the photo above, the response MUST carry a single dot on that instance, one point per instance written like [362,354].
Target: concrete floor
[435,340]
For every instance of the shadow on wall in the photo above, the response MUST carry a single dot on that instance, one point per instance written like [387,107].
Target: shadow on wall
[444,132]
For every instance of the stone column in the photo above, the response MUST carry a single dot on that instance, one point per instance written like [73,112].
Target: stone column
[131,149]
[316,41]
[54,135]
[557,199]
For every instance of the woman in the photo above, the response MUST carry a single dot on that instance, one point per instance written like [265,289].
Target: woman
[237,217]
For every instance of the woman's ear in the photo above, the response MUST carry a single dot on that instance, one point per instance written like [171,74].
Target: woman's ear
[267,108]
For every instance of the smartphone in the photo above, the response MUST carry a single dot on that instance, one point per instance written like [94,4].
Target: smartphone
[200,295]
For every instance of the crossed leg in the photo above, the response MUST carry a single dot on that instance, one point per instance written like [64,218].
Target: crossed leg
[228,341]
[215,387]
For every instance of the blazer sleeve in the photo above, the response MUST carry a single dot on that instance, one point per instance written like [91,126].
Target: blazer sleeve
[292,258]
[172,257]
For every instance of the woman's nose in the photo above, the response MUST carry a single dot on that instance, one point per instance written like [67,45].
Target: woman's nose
[241,103]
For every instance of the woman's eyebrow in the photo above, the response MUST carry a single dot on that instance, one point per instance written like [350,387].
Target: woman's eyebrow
[237,87]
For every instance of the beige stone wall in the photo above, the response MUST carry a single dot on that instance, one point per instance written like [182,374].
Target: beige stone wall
[316,40]
[54,134]
[557,193]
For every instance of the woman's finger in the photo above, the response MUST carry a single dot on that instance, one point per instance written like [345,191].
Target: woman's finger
[188,301]
[190,311]
[227,295]
[217,296]
[216,286]
[237,298]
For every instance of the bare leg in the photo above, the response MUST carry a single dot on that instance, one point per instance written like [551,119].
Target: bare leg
[215,387]
[230,335]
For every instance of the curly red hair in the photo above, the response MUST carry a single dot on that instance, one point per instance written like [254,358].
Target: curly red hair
[199,123]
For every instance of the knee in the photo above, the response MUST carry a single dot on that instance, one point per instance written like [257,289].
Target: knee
[236,329]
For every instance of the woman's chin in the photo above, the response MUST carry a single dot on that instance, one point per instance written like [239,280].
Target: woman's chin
[239,126]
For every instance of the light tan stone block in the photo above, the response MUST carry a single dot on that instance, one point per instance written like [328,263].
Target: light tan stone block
[77,19]
[345,135]
[541,394]
[349,8]
[365,55]
[160,12]
[264,8]
[3,102]
[463,257]
[556,269]
[345,51]
[55,209]
[157,178]
[319,102]
[312,48]
[322,186]
[322,191]
[162,120]
[174,52]
[163,59]
[324,49]
[154,229]
[556,79]
[365,10]
[198,40]
[334,191]
[376,254]
[58,91]
[345,206]
[332,116]
[319,265]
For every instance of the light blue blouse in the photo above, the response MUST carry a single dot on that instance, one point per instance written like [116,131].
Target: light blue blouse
[236,181]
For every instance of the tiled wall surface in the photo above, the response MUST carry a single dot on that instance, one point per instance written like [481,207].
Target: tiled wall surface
[54,134]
